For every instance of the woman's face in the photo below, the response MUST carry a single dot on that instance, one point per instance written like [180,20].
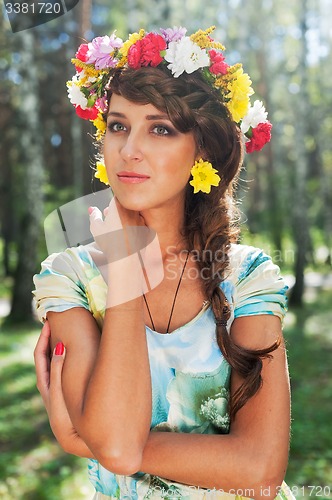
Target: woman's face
[148,160]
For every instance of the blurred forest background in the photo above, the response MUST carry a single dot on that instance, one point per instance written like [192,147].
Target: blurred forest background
[285,191]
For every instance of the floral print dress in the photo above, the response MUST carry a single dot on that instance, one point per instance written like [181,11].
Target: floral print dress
[190,377]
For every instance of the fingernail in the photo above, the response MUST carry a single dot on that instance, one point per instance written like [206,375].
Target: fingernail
[90,210]
[59,349]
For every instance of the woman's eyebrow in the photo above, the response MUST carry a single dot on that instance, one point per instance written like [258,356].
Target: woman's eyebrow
[115,113]
[157,117]
[148,117]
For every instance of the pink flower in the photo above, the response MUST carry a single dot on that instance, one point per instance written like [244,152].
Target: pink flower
[173,34]
[100,50]
[146,52]
[218,66]
[260,136]
[102,104]
[88,113]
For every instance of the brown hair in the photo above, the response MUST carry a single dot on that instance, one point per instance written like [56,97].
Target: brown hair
[211,221]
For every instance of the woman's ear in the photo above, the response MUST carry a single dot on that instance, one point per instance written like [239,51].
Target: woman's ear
[201,154]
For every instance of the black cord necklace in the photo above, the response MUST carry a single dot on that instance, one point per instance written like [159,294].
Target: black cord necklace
[176,293]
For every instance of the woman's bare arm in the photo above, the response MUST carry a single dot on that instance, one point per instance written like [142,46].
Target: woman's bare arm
[106,381]
[49,384]
[255,453]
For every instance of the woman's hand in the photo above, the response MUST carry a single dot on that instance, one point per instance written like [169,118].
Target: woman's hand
[49,371]
[120,232]
[131,250]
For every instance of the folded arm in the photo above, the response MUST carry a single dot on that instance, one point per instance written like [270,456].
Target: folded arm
[105,381]
[253,455]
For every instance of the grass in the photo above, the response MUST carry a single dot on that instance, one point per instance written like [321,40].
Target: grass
[309,338]
[33,467]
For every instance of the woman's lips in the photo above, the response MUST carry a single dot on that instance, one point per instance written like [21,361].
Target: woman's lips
[132,177]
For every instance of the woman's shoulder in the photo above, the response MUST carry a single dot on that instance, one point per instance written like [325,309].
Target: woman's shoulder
[65,279]
[258,285]
[73,268]
[69,261]
[244,259]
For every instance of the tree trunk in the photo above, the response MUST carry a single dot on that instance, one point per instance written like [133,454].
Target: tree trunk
[31,202]
[300,221]
[85,17]
[268,158]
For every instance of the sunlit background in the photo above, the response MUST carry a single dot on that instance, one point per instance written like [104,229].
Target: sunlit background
[46,158]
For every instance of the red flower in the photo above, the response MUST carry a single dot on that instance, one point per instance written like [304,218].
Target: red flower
[152,46]
[218,66]
[81,55]
[260,136]
[88,113]
[134,55]
[146,52]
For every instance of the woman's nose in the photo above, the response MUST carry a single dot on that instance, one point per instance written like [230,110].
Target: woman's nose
[131,149]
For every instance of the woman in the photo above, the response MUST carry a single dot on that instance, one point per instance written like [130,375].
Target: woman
[178,388]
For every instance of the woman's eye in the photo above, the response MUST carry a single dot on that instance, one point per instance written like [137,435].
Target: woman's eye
[116,127]
[160,130]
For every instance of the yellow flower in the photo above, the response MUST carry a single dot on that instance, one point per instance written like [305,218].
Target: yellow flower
[221,83]
[133,38]
[89,70]
[239,93]
[238,108]
[100,125]
[204,176]
[101,173]
[203,40]
[99,135]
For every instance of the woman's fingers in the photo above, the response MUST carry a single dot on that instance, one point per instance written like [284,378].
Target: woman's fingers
[58,414]
[96,221]
[49,373]
[42,360]
[108,233]
[58,359]
[42,345]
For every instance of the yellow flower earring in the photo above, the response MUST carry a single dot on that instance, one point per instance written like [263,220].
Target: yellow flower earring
[101,173]
[204,176]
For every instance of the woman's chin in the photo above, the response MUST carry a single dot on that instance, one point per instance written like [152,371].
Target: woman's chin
[130,204]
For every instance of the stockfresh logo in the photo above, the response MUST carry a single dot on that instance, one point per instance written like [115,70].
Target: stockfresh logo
[131,253]
[25,15]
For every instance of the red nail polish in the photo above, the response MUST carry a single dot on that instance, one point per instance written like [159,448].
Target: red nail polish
[59,349]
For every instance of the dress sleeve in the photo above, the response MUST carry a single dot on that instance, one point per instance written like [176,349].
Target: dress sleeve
[259,287]
[58,286]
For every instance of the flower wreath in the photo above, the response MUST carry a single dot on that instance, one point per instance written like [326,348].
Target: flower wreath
[88,88]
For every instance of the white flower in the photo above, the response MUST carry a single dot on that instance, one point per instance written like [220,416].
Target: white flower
[185,55]
[255,115]
[76,97]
